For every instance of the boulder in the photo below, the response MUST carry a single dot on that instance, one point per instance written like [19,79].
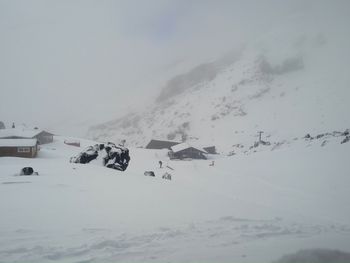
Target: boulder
[149,173]
[107,154]
[28,171]
[345,140]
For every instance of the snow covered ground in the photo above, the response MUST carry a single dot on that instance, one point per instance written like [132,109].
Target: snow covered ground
[246,208]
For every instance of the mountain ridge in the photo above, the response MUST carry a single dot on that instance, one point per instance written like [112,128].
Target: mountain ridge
[285,81]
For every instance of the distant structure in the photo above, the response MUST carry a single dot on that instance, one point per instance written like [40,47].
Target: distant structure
[261,141]
[27,148]
[210,149]
[185,151]
[178,150]
[159,144]
[75,143]
[260,132]
[2,125]
[43,137]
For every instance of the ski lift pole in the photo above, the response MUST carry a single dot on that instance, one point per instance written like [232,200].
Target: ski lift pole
[260,132]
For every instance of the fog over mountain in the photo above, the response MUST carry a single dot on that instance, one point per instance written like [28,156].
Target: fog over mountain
[290,81]
[66,65]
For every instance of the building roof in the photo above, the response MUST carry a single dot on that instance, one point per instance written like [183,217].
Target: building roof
[19,132]
[18,142]
[160,144]
[183,146]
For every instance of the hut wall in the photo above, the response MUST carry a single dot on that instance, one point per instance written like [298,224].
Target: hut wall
[27,152]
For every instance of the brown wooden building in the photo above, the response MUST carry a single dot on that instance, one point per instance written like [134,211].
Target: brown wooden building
[27,148]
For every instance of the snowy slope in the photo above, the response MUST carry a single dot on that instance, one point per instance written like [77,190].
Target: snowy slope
[290,82]
[246,208]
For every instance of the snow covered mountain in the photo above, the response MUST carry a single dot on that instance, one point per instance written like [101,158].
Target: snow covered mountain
[287,84]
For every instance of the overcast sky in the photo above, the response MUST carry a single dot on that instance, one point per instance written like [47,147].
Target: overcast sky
[83,61]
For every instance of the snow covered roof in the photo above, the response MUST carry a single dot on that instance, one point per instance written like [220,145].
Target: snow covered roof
[164,140]
[18,142]
[183,146]
[160,144]
[17,132]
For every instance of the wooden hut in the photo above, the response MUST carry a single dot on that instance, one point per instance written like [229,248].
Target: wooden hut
[27,148]
[186,151]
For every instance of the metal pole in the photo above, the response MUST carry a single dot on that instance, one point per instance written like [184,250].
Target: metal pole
[260,132]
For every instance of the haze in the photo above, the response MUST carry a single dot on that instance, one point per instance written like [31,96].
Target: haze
[66,65]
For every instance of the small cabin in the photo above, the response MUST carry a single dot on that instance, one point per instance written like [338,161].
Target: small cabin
[185,151]
[27,148]
[160,144]
[43,137]
[210,149]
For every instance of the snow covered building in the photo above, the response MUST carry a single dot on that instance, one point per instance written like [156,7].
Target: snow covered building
[75,143]
[210,149]
[160,144]
[42,136]
[27,148]
[185,150]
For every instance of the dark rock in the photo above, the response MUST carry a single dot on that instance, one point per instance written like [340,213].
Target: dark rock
[27,171]
[346,139]
[149,173]
[231,153]
[265,143]
[320,136]
[115,157]
[308,136]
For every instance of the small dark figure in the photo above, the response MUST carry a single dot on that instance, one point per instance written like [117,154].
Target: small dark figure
[149,173]
[13,125]
[160,164]
[212,163]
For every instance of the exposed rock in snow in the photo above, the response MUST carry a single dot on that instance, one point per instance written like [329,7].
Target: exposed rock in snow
[346,139]
[109,155]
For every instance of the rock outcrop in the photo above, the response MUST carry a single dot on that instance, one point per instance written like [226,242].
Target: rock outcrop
[105,154]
